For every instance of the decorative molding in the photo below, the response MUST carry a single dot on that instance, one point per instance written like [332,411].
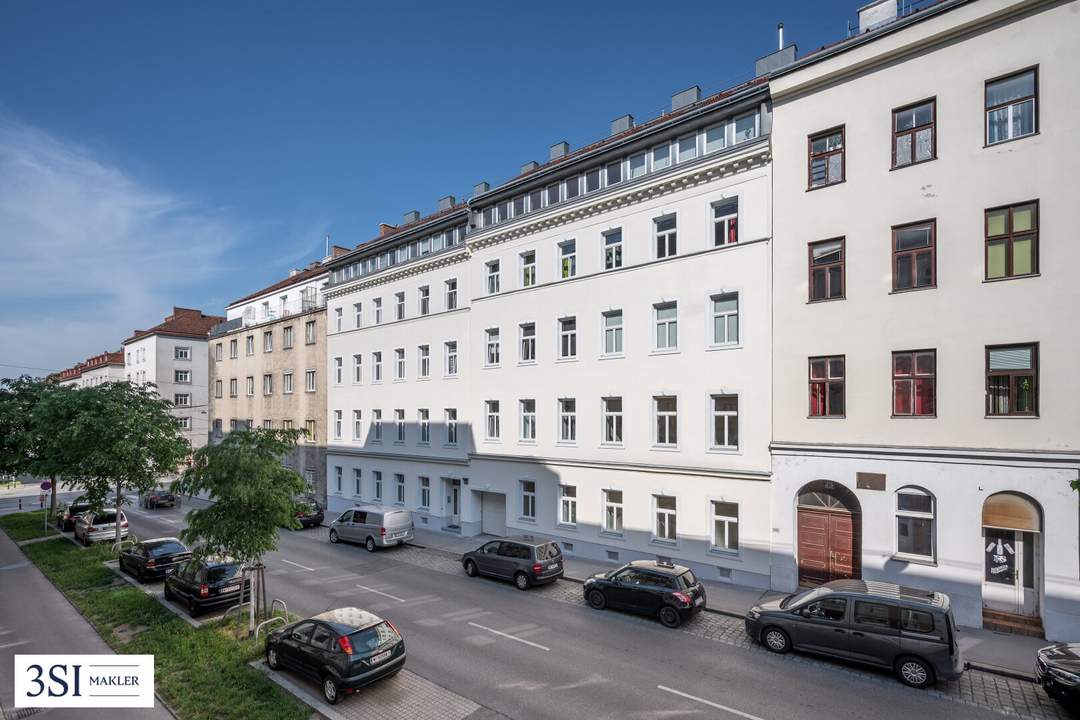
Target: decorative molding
[978,456]
[443,259]
[407,457]
[756,475]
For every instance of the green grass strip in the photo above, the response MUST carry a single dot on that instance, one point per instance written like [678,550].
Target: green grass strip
[25,525]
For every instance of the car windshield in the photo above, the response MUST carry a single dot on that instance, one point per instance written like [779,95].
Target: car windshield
[799,597]
[167,549]
[372,638]
[221,573]
[549,551]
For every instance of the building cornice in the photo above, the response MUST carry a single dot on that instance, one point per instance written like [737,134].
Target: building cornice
[1065,459]
[731,474]
[409,457]
[443,259]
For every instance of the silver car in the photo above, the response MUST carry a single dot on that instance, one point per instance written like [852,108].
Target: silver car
[373,525]
[101,525]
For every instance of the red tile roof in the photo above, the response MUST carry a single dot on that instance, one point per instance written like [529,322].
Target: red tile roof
[315,269]
[184,322]
[105,358]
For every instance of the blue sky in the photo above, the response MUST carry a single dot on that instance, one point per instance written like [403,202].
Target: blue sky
[154,153]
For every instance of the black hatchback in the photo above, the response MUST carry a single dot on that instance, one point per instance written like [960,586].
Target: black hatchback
[525,559]
[343,649]
[308,512]
[663,590]
[159,498]
[209,583]
[152,559]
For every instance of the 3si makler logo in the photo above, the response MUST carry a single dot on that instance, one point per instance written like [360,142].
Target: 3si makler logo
[84,681]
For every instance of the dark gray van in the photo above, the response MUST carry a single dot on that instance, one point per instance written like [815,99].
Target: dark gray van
[907,630]
[525,559]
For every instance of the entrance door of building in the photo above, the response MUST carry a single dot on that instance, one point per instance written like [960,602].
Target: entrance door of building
[1010,569]
[827,548]
[452,487]
[492,513]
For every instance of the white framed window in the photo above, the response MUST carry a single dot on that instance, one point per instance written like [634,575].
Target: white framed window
[661,157]
[527,346]
[424,300]
[376,476]
[399,488]
[527,422]
[725,318]
[399,425]
[182,377]
[376,425]
[358,368]
[423,361]
[568,505]
[268,341]
[552,194]
[309,332]
[399,305]
[182,353]
[613,511]
[358,482]
[567,259]
[725,421]
[184,422]
[423,418]
[182,399]
[309,430]
[268,384]
[286,383]
[286,425]
[233,351]
[592,180]
[528,268]
[287,337]
[491,419]
[249,345]
[268,424]
[377,302]
[491,352]
[612,411]
[613,173]
[217,353]
[338,316]
[337,424]
[338,372]
[725,526]
[493,277]
[567,420]
[666,236]
[567,338]
[745,127]
[451,294]
[571,187]
[450,351]
[915,520]
[337,479]
[715,138]
[217,388]
[358,315]
[725,219]
[666,414]
[666,322]
[637,166]
[528,499]
[250,383]
[399,363]
[425,492]
[613,249]
[451,426]
[664,527]
[309,380]
[1010,107]
[376,367]
[687,147]
[613,332]
[357,429]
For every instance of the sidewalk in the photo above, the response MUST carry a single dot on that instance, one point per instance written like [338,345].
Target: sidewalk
[1002,653]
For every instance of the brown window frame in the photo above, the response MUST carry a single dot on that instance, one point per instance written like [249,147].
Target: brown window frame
[987,110]
[911,377]
[1009,237]
[825,382]
[912,131]
[1013,375]
[914,252]
[810,268]
[810,157]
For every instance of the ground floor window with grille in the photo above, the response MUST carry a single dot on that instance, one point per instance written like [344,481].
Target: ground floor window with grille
[665,518]
[399,485]
[915,523]
[528,499]
[613,509]
[725,526]
[1012,380]
[568,505]
[425,492]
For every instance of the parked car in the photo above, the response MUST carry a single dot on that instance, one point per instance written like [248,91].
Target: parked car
[1057,669]
[160,498]
[663,590]
[308,512]
[374,525]
[69,516]
[525,559]
[342,649]
[95,525]
[152,559]
[208,583]
[906,630]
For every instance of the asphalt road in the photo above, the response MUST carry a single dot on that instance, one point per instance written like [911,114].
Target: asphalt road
[535,655]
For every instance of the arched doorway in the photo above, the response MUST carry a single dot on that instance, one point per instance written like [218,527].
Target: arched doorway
[829,543]
[1012,550]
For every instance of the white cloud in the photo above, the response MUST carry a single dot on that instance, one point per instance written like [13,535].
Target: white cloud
[88,253]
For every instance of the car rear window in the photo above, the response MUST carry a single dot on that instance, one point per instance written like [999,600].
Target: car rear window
[917,621]
[373,638]
[547,551]
[221,573]
[104,518]
[167,549]
[687,579]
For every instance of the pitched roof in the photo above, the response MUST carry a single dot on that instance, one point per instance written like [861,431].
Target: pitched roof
[184,322]
[315,269]
[105,358]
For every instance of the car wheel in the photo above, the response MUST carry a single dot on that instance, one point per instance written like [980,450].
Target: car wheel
[914,672]
[596,599]
[333,536]
[271,658]
[140,575]
[776,640]
[521,581]
[470,568]
[330,690]
[370,544]
[669,616]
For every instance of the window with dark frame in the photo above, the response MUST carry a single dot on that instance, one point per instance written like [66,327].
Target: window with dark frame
[827,386]
[915,133]
[1012,106]
[914,256]
[826,158]
[826,269]
[914,383]
[1012,241]
[1012,378]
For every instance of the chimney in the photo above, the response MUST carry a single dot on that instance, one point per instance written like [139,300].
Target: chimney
[385,228]
[480,188]
[876,14]
[622,124]
[686,97]
[294,272]
[445,203]
[558,150]
[411,217]
[529,167]
[337,251]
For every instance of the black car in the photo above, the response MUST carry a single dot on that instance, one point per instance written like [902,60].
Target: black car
[342,649]
[525,559]
[159,498]
[1057,669]
[308,512]
[69,516]
[152,559]
[211,582]
[664,590]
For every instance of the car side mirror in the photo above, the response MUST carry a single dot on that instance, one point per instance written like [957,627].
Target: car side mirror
[294,636]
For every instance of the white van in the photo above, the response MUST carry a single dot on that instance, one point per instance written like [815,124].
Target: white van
[373,525]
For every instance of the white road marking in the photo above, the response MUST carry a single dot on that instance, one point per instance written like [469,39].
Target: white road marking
[510,637]
[380,592]
[339,578]
[710,703]
[21,642]
[302,567]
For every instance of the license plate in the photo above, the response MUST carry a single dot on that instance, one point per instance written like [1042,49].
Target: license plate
[699,600]
[381,656]
[553,566]
[230,588]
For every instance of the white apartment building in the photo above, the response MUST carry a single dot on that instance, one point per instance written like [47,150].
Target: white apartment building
[582,352]
[925,408]
[103,368]
[173,357]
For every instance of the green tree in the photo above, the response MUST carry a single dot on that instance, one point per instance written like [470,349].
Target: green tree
[122,438]
[252,493]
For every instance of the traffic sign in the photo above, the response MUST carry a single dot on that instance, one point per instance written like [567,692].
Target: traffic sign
[46,485]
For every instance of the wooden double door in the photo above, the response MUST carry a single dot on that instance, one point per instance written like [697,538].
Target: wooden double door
[829,545]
